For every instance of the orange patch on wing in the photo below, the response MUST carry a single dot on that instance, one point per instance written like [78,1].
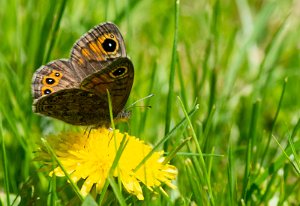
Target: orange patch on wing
[46,88]
[86,53]
[94,47]
[80,61]
[100,40]
[97,51]
[56,74]
[52,79]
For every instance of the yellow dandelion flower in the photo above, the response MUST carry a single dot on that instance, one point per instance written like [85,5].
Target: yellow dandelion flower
[90,157]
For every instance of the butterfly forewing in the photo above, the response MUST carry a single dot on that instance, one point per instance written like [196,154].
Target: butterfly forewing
[96,48]
[52,77]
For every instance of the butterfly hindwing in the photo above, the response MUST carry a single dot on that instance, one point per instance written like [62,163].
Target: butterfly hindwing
[74,106]
[117,78]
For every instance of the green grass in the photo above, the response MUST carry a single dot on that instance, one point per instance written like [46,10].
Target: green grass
[225,78]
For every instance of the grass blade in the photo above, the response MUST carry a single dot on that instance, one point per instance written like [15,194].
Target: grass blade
[170,98]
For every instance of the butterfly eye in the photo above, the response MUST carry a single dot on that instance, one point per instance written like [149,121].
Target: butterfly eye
[50,81]
[119,72]
[47,91]
[109,45]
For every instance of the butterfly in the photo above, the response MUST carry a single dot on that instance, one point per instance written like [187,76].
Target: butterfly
[75,90]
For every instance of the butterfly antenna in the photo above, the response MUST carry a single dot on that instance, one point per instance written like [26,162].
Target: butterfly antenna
[139,100]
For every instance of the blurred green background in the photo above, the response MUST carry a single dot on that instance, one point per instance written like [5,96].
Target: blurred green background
[238,60]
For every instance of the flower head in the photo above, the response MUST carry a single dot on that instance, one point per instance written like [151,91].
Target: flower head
[90,157]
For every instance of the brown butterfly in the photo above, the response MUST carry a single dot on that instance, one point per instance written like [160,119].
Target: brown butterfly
[75,90]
